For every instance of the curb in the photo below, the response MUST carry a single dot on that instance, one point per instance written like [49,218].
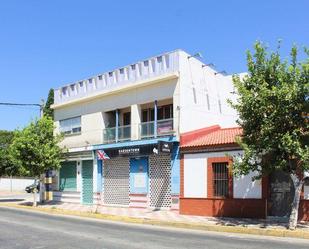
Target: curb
[188,225]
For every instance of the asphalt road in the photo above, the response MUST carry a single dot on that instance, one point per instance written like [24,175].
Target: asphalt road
[24,229]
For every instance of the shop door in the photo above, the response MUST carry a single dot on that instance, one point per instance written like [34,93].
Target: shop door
[67,176]
[139,175]
[281,194]
[87,179]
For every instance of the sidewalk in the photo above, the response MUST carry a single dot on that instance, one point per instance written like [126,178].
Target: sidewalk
[172,218]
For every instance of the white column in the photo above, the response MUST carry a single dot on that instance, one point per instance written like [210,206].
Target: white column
[135,121]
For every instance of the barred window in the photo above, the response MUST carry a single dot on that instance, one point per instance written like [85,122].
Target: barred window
[220,179]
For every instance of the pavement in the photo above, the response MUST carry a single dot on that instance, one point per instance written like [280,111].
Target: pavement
[25,229]
[161,218]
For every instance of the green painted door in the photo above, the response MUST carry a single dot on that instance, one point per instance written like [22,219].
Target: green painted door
[67,176]
[87,176]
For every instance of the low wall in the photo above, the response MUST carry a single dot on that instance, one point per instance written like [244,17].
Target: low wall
[303,210]
[15,184]
[244,208]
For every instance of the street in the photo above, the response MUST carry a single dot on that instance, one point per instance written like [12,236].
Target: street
[25,229]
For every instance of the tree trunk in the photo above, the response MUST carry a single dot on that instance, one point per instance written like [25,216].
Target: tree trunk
[298,185]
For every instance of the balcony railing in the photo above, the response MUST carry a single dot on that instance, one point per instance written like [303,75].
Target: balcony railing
[110,135]
[164,128]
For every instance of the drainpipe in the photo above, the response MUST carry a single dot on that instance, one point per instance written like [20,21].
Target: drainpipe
[155,118]
[117,120]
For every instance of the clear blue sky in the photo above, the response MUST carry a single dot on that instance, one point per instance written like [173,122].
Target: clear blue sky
[45,44]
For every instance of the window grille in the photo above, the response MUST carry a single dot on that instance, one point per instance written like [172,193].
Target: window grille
[220,179]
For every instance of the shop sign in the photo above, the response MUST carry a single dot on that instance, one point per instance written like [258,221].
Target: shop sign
[129,152]
[165,147]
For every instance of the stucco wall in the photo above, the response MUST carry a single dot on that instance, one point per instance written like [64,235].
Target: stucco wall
[196,82]
[195,177]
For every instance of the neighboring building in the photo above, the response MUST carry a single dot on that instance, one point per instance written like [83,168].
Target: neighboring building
[128,113]
[208,187]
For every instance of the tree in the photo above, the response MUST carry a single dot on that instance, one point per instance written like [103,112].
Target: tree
[47,111]
[6,165]
[272,105]
[36,149]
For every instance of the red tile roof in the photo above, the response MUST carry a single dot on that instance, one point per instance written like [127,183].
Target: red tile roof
[210,136]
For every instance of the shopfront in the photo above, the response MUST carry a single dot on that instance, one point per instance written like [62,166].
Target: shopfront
[141,174]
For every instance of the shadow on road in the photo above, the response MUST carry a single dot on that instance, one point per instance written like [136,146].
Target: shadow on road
[11,200]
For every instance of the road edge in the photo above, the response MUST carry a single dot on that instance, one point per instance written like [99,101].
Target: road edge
[186,225]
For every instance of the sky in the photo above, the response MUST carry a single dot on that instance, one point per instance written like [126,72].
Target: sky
[46,44]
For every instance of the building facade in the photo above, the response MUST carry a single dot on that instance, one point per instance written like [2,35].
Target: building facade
[208,187]
[135,115]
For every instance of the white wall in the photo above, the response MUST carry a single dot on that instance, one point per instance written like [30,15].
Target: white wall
[195,176]
[245,188]
[195,83]
[15,184]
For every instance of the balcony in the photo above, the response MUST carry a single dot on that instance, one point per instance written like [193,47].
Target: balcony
[159,66]
[114,135]
[164,128]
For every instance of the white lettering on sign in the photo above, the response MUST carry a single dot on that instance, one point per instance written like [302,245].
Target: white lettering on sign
[139,180]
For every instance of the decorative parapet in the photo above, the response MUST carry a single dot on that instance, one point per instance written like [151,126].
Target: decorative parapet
[142,70]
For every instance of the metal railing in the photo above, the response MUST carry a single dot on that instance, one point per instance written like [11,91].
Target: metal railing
[165,127]
[110,135]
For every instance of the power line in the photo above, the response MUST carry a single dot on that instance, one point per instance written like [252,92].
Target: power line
[20,104]
[25,104]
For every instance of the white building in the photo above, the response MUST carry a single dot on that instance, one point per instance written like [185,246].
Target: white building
[127,112]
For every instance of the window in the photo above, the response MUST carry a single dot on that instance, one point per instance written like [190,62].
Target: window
[121,71]
[164,112]
[100,77]
[90,81]
[133,67]
[110,74]
[127,118]
[70,125]
[146,63]
[220,179]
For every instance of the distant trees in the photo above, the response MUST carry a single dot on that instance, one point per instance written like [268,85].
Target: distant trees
[6,165]
[47,111]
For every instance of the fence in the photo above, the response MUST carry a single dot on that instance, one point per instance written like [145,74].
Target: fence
[15,183]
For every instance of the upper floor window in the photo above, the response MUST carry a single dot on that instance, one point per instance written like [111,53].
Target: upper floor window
[164,112]
[70,125]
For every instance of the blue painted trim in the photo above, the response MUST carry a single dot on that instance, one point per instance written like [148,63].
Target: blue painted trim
[99,175]
[134,169]
[155,118]
[135,143]
[175,162]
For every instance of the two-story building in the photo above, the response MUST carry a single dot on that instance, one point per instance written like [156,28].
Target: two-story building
[135,115]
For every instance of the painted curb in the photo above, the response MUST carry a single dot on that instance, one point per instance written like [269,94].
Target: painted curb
[189,225]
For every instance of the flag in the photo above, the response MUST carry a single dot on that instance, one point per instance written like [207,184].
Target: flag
[102,155]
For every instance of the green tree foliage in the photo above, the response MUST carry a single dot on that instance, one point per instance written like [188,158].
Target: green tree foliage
[272,105]
[6,165]
[35,148]
[47,111]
